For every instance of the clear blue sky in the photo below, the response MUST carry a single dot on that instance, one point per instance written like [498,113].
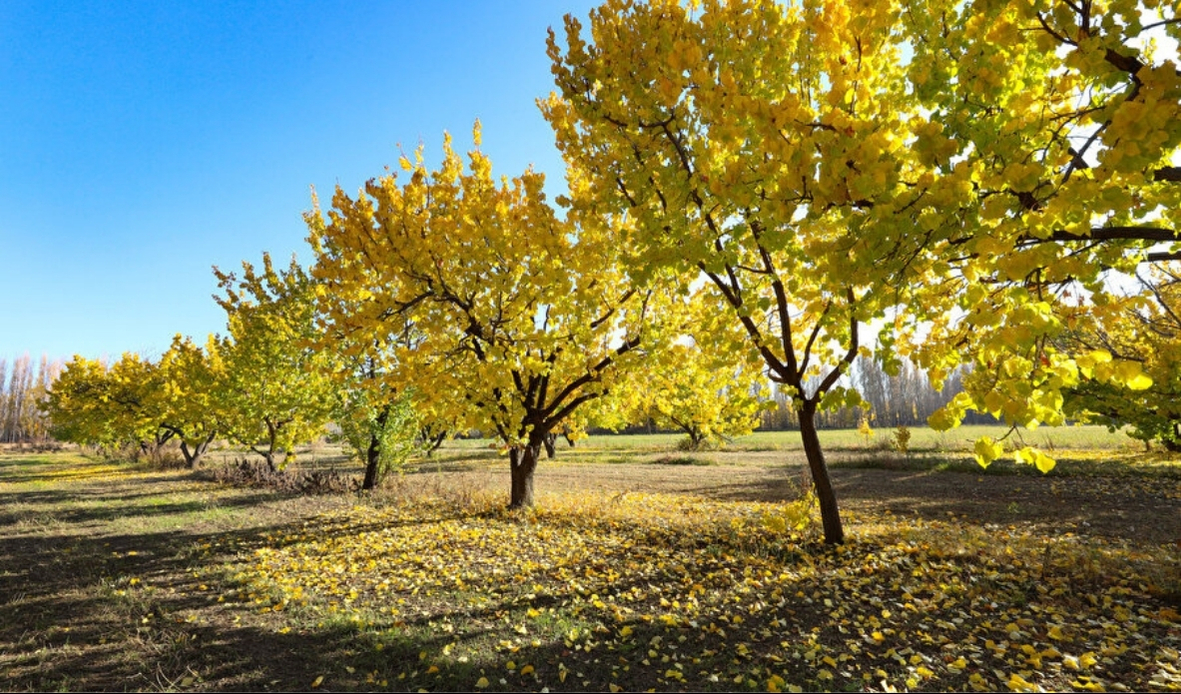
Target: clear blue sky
[143,142]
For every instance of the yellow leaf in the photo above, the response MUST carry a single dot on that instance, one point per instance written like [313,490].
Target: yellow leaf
[1017,683]
[482,682]
[318,681]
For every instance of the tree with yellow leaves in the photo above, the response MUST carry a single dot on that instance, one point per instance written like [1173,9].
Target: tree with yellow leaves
[278,390]
[191,390]
[110,407]
[766,148]
[704,383]
[1062,121]
[524,317]
[821,179]
[1147,330]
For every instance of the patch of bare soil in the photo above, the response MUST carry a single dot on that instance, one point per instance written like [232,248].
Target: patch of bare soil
[1135,508]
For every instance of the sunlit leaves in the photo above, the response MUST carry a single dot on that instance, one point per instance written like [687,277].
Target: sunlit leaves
[277,391]
[1063,131]
[519,317]
[1142,388]
[654,590]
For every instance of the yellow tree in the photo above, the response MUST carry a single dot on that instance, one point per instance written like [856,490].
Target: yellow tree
[768,148]
[969,195]
[191,387]
[113,407]
[1066,119]
[524,317]
[278,389]
[706,383]
[1147,331]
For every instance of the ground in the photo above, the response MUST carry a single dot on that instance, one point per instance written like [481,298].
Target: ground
[642,568]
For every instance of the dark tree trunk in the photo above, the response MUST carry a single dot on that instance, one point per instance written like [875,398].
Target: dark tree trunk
[432,443]
[523,462]
[272,439]
[193,457]
[373,455]
[830,514]
[550,441]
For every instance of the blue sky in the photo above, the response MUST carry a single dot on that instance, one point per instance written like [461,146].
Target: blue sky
[143,142]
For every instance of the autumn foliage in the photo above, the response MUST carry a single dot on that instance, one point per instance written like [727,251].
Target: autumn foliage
[754,192]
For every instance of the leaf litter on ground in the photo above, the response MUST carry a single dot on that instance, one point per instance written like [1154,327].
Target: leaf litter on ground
[639,591]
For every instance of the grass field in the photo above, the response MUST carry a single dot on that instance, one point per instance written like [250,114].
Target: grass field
[642,567]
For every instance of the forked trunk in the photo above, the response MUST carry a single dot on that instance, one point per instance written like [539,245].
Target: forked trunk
[550,442]
[193,456]
[431,443]
[830,514]
[523,461]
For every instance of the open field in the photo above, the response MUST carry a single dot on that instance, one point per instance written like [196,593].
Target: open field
[642,567]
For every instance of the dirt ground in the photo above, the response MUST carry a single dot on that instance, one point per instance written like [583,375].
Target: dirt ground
[1143,509]
[74,614]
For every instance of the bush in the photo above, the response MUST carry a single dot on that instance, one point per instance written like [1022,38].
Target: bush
[900,441]
[249,473]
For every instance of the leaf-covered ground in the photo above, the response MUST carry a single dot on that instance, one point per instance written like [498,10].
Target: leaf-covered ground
[952,581]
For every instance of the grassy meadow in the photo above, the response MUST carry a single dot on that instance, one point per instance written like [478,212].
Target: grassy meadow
[642,567]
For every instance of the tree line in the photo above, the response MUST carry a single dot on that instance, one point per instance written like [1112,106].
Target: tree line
[23,386]
[907,398]
[775,192]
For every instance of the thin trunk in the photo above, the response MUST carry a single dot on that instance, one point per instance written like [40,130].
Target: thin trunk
[523,462]
[830,514]
[550,442]
[434,442]
[272,446]
[372,456]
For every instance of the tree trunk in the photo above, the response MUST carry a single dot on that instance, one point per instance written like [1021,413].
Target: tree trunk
[372,456]
[193,457]
[550,442]
[830,514]
[272,445]
[432,443]
[523,461]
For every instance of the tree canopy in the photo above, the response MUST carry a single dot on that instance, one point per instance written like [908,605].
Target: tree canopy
[278,389]
[524,316]
[963,196]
